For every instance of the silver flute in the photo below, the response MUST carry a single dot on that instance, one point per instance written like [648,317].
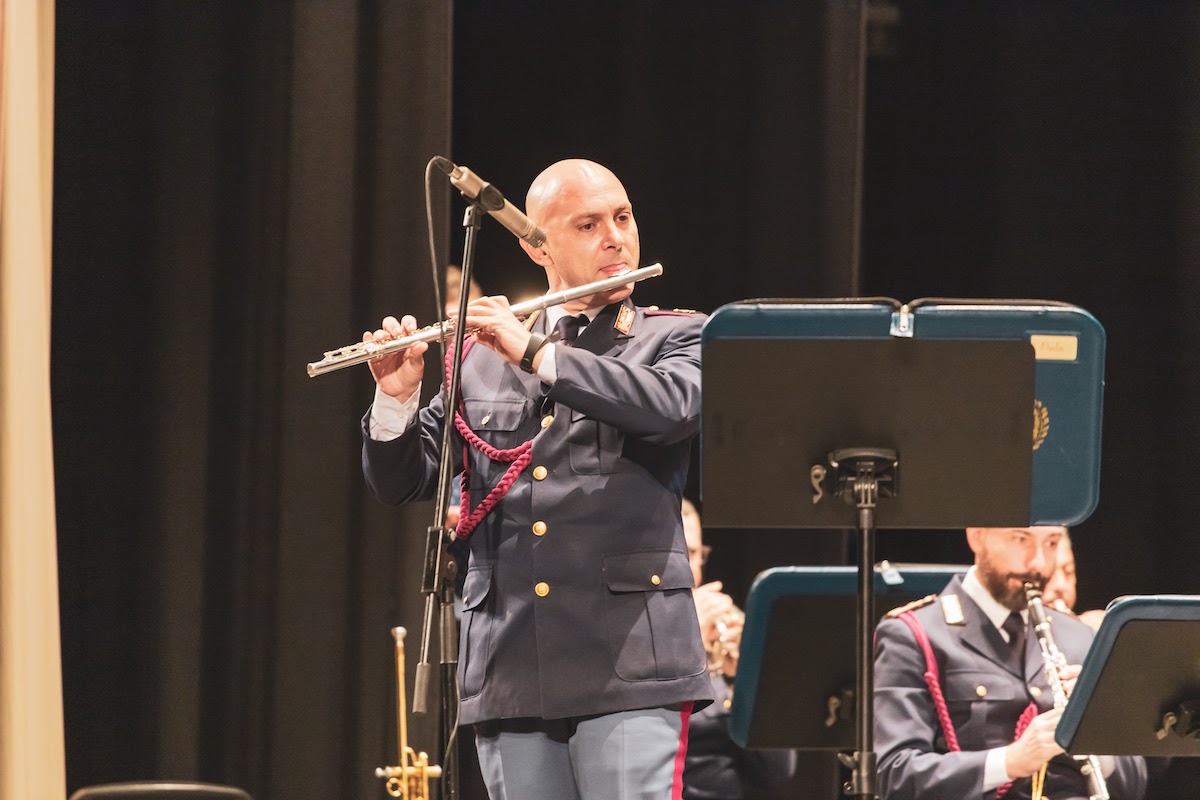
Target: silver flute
[361,352]
[1056,663]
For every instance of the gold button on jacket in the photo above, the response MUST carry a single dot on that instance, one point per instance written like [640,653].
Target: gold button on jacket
[542,589]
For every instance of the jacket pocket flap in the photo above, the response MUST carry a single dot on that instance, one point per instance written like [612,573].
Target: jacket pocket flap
[494,415]
[476,587]
[647,571]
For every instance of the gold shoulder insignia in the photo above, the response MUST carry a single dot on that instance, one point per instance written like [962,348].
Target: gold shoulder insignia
[686,311]
[952,609]
[532,318]
[913,606]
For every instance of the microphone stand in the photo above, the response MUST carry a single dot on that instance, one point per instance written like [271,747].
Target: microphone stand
[441,570]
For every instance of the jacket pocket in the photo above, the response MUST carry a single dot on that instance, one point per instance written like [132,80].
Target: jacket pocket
[477,620]
[496,421]
[983,706]
[652,629]
[595,447]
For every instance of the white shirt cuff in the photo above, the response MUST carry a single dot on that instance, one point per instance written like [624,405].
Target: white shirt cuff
[390,417]
[547,370]
[994,771]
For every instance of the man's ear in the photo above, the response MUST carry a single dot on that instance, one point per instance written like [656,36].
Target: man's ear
[539,254]
[975,539]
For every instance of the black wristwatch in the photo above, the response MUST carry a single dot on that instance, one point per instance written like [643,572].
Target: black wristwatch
[536,342]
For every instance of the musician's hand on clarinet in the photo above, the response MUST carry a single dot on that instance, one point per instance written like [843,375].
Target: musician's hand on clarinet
[398,374]
[1036,746]
[492,322]
[1069,676]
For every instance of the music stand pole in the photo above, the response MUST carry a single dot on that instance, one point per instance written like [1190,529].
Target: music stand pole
[863,475]
[441,570]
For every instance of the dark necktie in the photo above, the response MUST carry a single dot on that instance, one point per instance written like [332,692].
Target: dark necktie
[566,330]
[1014,626]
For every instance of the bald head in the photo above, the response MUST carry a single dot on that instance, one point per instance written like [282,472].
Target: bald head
[566,181]
[591,234]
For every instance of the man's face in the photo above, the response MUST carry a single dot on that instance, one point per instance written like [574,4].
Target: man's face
[1061,585]
[1005,558]
[591,234]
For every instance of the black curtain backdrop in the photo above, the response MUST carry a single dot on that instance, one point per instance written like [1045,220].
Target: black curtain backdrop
[238,188]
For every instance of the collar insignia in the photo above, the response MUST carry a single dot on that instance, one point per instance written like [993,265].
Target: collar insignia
[624,322]
[952,609]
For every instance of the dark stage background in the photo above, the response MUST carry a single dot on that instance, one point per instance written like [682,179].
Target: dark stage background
[238,188]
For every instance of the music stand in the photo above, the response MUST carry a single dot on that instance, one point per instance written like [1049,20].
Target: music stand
[937,430]
[1139,691]
[793,612]
[863,429]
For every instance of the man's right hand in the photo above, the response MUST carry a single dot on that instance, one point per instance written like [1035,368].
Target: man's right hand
[1036,746]
[398,374]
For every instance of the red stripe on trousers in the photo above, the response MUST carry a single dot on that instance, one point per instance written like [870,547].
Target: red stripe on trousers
[685,715]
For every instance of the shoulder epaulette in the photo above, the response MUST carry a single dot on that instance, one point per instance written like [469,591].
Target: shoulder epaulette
[913,606]
[654,311]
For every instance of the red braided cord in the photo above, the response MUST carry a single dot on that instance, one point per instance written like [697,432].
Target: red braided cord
[1023,721]
[519,456]
[931,680]
[939,700]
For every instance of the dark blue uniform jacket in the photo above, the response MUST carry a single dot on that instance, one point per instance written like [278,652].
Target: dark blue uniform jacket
[986,693]
[577,598]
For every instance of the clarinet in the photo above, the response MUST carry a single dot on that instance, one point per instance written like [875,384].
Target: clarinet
[1056,663]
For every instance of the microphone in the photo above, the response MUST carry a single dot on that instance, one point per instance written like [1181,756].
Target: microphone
[492,201]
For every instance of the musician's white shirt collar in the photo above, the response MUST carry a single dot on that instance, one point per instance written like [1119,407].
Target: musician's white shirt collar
[555,313]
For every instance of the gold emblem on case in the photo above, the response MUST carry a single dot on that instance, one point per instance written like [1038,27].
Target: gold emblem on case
[1041,423]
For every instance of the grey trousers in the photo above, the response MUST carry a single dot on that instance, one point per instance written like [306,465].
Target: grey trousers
[629,755]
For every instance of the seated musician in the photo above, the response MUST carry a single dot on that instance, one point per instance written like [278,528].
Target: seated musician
[1060,590]
[717,768]
[982,724]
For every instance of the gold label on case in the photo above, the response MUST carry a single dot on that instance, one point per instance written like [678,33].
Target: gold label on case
[1054,348]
